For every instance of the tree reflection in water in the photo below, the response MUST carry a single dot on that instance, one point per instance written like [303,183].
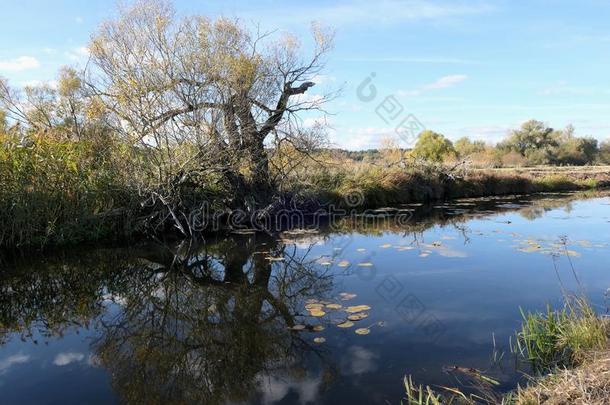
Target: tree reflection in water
[203,324]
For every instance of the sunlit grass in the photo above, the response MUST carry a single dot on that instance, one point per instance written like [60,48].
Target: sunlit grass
[561,338]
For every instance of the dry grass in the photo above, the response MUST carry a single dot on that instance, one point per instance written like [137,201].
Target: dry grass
[588,384]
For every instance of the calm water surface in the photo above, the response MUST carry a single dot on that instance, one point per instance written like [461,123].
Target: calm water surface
[225,321]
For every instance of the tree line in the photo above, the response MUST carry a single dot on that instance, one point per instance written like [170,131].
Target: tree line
[534,143]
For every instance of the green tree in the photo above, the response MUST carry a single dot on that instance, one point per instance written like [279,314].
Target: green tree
[603,155]
[532,136]
[433,146]
[465,147]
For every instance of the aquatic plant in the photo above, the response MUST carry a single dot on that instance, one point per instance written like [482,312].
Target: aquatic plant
[560,338]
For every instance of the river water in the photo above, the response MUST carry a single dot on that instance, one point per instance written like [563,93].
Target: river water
[333,315]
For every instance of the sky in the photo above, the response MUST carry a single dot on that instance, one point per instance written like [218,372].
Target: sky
[475,68]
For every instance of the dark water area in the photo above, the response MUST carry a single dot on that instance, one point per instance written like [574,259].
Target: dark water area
[261,319]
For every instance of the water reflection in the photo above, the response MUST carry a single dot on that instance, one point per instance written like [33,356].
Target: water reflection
[200,323]
[213,322]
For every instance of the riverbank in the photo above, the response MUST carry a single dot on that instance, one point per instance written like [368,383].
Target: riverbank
[588,384]
[70,203]
[568,351]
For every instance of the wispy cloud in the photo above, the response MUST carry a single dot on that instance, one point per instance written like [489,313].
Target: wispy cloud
[428,60]
[78,54]
[563,88]
[440,83]
[361,138]
[445,82]
[79,20]
[19,64]
[365,12]
[10,361]
[63,359]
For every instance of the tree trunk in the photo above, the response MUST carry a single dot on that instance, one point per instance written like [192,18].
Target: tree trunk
[257,162]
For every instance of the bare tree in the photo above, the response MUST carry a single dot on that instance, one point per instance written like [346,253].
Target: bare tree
[204,96]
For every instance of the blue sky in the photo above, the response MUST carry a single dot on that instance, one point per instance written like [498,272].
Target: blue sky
[475,68]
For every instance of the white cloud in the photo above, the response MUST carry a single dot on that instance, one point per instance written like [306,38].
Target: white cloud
[361,138]
[441,83]
[63,359]
[10,361]
[365,12]
[431,60]
[446,82]
[489,133]
[275,389]
[19,64]
[34,83]
[49,51]
[78,54]
[359,360]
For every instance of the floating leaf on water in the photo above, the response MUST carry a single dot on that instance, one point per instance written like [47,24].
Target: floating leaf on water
[347,296]
[385,246]
[334,306]
[425,254]
[311,301]
[360,250]
[337,249]
[297,328]
[319,340]
[357,308]
[362,331]
[313,306]
[317,328]
[406,247]
[358,317]
[572,253]
[326,263]
[343,263]
[346,324]
[317,313]
[365,264]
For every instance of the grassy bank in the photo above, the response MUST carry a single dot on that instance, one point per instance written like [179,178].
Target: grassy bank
[60,192]
[568,351]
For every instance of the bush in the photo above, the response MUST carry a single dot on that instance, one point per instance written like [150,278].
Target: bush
[58,191]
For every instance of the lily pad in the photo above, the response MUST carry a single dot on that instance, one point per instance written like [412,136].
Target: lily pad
[358,317]
[357,308]
[362,331]
[319,340]
[346,324]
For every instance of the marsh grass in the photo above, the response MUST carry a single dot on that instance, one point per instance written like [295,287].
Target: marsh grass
[588,384]
[560,338]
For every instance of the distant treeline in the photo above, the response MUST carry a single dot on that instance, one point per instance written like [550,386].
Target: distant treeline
[534,143]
